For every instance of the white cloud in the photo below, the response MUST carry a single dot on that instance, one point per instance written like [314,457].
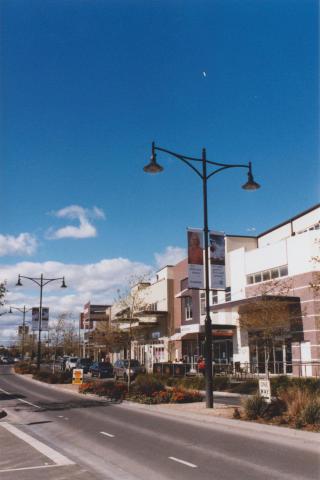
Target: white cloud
[170,256]
[23,244]
[85,229]
[97,282]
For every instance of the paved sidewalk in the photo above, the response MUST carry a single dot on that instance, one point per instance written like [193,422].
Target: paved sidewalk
[23,457]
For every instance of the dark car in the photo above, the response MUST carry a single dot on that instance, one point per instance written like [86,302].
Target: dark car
[101,369]
[84,363]
[121,369]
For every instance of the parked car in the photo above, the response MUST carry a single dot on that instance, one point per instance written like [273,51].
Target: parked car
[84,363]
[101,369]
[121,369]
[71,363]
[7,360]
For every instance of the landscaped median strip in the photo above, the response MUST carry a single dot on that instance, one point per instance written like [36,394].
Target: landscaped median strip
[56,457]
[188,464]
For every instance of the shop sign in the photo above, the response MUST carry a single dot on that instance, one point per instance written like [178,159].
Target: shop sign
[265,390]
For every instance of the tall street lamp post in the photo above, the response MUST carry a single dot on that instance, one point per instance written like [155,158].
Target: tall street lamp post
[154,167]
[41,282]
[23,310]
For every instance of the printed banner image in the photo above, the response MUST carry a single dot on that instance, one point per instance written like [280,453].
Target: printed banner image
[217,260]
[35,318]
[195,258]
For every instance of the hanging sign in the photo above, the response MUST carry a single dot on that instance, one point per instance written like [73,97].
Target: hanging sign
[35,318]
[195,259]
[217,261]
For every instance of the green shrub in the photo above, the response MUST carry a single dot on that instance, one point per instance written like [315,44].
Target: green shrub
[193,383]
[311,412]
[249,387]
[116,391]
[254,407]
[274,409]
[295,399]
[278,383]
[172,381]
[221,383]
[147,384]
[312,385]
[24,368]
[283,382]
[49,377]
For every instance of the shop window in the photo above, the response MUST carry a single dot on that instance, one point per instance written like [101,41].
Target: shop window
[188,308]
[214,297]
[284,271]
[228,294]
[266,275]
[250,279]
[257,278]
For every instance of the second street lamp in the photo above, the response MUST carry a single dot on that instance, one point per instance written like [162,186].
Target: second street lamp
[154,167]
[23,310]
[41,282]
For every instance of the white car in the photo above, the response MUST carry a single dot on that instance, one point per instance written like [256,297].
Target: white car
[71,363]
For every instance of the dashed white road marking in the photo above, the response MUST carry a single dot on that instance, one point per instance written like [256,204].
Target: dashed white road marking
[20,399]
[188,464]
[53,455]
[107,434]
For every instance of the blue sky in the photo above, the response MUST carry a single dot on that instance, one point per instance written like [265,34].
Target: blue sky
[87,85]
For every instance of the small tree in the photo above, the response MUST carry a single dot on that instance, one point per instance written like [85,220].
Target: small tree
[268,315]
[56,331]
[130,302]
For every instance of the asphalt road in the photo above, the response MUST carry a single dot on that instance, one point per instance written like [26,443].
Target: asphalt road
[119,442]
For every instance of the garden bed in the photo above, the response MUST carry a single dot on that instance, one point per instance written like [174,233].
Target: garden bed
[147,389]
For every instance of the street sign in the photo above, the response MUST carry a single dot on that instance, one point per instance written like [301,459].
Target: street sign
[77,376]
[265,390]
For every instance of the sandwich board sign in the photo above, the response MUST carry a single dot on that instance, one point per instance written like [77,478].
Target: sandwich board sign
[265,390]
[77,376]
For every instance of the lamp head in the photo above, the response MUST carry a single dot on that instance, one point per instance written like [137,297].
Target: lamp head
[63,285]
[19,284]
[153,166]
[250,184]
[10,310]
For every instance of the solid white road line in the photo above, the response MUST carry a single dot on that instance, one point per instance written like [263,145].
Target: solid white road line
[55,456]
[20,399]
[107,434]
[27,468]
[192,465]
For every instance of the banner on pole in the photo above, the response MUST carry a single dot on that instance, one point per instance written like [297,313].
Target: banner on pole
[195,259]
[35,318]
[217,261]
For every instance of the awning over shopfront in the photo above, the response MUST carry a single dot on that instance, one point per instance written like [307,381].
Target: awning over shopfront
[236,304]
[192,331]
